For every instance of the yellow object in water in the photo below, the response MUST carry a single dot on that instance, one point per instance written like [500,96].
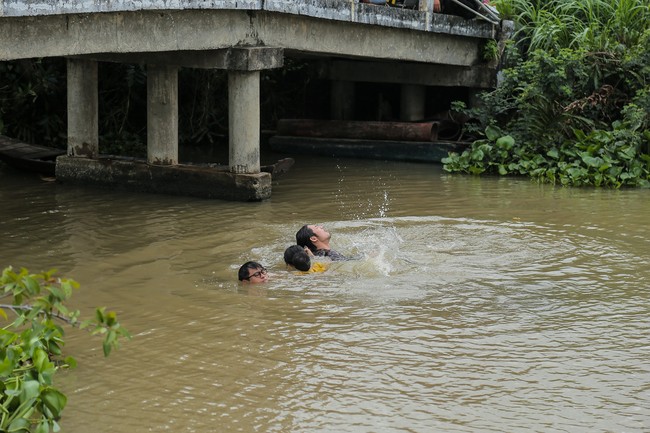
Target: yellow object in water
[315,267]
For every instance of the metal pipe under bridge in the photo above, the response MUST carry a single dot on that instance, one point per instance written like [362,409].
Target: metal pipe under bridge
[413,47]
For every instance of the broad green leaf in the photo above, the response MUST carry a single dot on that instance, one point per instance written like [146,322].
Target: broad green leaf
[19,425]
[67,288]
[30,390]
[57,292]
[39,358]
[505,142]
[70,362]
[478,155]
[42,427]
[592,161]
[54,400]
[32,285]
[493,133]
[6,367]
[54,348]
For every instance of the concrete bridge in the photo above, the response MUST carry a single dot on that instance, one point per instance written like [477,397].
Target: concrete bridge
[354,41]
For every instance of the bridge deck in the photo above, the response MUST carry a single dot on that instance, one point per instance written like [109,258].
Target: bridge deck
[344,28]
[422,18]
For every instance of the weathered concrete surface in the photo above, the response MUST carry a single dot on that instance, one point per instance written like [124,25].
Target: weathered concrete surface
[478,76]
[187,180]
[83,103]
[455,40]
[338,10]
[244,121]
[162,114]
[412,102]
[234,58]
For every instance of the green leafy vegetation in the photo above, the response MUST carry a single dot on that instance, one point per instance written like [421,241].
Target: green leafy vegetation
[32,100]
[490,51]
[31,343]
[573,102]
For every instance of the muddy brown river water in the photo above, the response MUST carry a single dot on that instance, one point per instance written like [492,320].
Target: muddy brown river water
[474,305]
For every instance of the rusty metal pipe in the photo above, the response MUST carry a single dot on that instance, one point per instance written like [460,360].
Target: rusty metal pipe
[371,130]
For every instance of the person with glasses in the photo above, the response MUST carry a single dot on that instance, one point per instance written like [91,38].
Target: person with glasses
[253,272]
[317,239]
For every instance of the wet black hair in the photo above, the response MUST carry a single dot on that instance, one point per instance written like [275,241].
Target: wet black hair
[243,270]
[296,256]
[303,237]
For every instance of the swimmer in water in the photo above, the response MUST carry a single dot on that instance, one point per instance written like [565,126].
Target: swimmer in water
[299,258]
[253,273]
[317,239]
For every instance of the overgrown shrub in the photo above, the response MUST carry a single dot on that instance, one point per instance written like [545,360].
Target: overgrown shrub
[31,344]
[574,106]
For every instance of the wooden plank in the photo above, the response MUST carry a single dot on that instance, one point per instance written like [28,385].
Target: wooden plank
[16,149]
[30,157]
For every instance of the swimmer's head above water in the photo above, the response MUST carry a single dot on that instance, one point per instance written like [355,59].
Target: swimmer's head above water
[297,257]
[253,273]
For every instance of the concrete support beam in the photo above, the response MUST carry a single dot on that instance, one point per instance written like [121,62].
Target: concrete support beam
[239,58]
[342,100]
[186,180]
[83,129]
[409,73]
[253,58]
[244,121]
[162,114]
[412,102]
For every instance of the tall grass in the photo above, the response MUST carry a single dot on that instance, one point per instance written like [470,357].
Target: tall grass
[593,25]
[573,99]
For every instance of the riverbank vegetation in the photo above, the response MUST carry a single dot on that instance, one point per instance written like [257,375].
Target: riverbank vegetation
[31,343]
[573,102]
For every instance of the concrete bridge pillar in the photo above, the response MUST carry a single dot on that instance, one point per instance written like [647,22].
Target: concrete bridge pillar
[342,100]
[162,114]
[83,124]
[244,121]
[244,65]
[412,102]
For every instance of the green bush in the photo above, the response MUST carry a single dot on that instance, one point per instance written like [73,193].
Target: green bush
[31,347]
[575,113]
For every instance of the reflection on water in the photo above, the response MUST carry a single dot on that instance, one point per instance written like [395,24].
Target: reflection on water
[475,304]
